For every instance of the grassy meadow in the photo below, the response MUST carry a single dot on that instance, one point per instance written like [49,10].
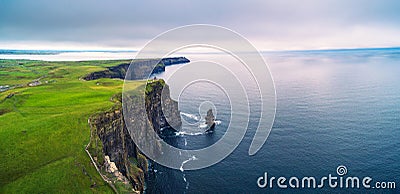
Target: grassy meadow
[44,129]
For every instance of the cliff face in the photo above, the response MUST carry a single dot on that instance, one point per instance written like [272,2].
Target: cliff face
[118,71]
[110,137]
[162,111]
[140,69]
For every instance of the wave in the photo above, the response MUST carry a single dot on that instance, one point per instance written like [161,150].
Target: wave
[197,118]
[194,133]
[186,161]
[191,116]
[203,126]
[181,133]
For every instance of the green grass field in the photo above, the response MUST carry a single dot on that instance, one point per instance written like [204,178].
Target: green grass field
[44,129]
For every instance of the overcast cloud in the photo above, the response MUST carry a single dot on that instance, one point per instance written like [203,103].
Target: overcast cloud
[270,25]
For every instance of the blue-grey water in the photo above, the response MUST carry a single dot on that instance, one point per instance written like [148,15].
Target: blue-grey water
[339,107]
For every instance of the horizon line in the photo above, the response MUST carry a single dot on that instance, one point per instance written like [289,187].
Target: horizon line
[261,51]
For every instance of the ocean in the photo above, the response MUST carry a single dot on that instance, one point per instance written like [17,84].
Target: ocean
[334,108]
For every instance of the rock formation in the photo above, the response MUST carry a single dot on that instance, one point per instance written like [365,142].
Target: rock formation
[210,120]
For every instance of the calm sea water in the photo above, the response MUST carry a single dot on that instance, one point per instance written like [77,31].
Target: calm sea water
[334,108]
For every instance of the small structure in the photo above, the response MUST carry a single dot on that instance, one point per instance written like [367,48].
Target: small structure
[34,83]
[4,88]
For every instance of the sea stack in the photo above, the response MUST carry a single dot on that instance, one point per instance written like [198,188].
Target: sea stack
[210,120]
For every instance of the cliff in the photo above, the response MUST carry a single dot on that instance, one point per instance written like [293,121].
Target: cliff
[141,68]
[111,141]
[111,146]
[160,106]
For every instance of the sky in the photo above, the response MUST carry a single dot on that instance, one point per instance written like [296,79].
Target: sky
[129,24]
